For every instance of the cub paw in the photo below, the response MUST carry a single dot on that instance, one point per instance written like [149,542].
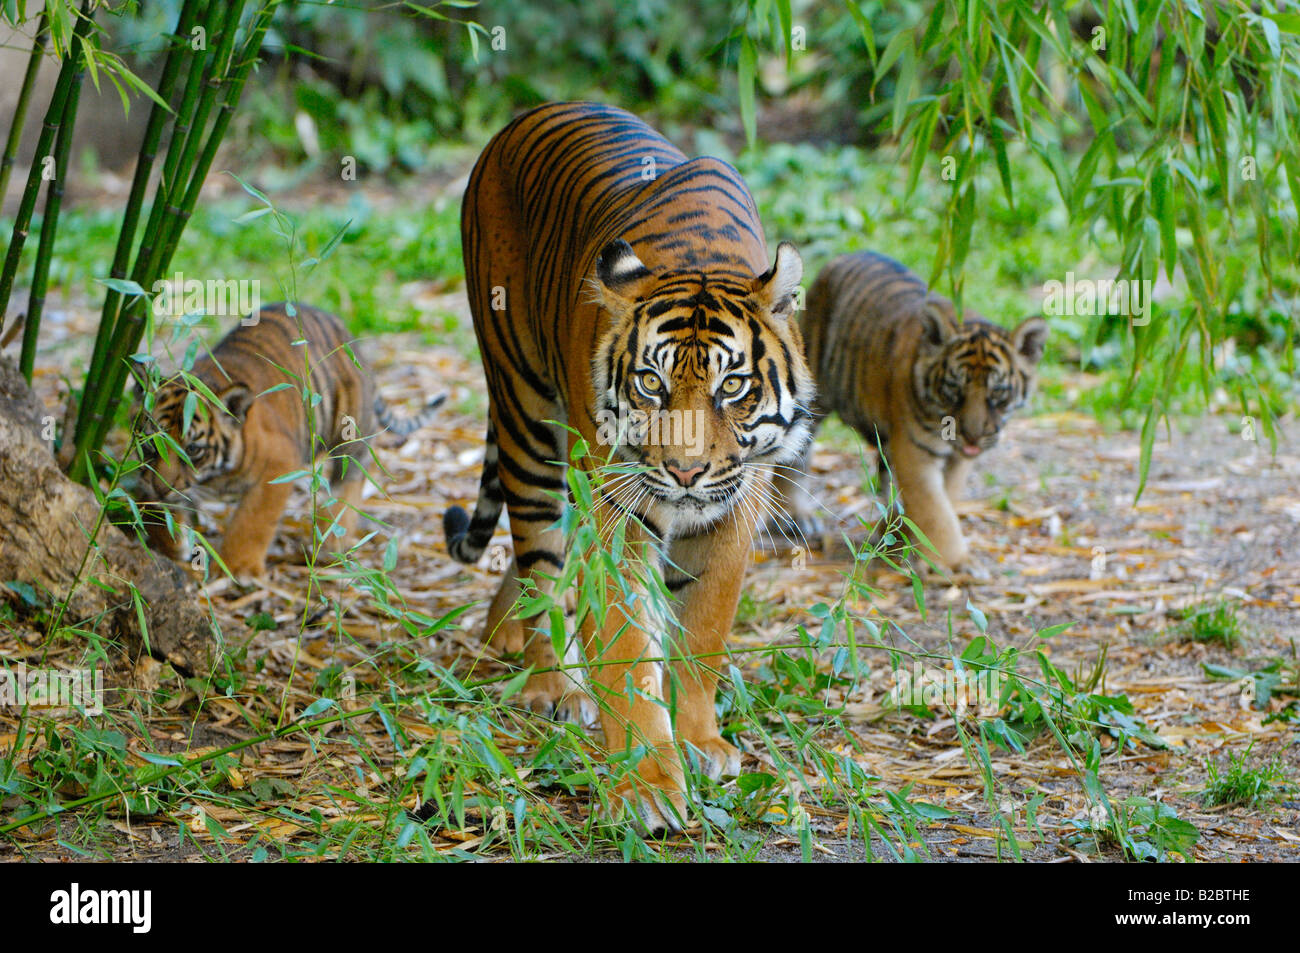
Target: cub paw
[717,758]
[244,569]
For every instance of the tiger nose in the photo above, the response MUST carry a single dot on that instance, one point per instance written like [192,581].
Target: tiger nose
[685,477]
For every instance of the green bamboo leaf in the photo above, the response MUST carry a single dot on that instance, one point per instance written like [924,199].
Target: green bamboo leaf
[122,286]
[923,135]
[291,476]
[1147,442]
[1000,158]
[787,21]
[893,50]
[746,80]
[903,91]
[1163,202]
[864,27]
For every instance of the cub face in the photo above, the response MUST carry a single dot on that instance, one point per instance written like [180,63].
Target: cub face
[974,372]
[213,442]
[700,382]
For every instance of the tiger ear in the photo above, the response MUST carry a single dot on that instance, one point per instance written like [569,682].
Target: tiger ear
[1028,339]
[237,399]
[620,275]
[777,286]
[938,320]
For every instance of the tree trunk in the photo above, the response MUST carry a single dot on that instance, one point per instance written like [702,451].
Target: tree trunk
[46,522]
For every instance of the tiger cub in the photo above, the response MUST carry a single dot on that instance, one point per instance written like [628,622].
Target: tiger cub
[260,430]
[931,391]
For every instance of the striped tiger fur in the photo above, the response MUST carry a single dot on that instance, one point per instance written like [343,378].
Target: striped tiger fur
[253,436]
[931,391]
[608,274]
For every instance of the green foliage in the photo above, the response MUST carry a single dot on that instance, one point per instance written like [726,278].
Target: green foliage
[1167,129]
[1213,621]
[1273,677]
[1240,782]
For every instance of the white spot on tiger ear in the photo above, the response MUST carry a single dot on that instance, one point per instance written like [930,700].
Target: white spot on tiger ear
[618,264]
[625,267]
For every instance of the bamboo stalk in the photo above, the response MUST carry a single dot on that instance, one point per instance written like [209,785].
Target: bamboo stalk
[24,98]
[49,224]
[139,186]
[97,397]
[202,85]
[130,329]
[215,75]
[58,101]
[179,217]
[167,184]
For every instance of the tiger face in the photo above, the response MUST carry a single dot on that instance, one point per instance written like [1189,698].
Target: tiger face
[700,382]
[972,375]
[212,443]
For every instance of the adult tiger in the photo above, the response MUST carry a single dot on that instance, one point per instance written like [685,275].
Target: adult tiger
[262,426]
[931,391]
[608,274]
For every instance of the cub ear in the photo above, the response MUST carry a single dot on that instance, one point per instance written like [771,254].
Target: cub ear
[1029,337]
[777,286]
[938,320]
[237,399]
[620,275]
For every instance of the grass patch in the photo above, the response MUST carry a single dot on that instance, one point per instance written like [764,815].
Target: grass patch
[1246,782]
[1213,622]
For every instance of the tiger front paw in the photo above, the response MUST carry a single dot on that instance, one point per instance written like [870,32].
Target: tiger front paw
[654,800]
[556,695]
[718,758]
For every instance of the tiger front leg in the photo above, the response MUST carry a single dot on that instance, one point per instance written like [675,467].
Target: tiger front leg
[955,471]
[553,690]
[627,661]
[715,563]
[920,478]
[337,519]
[250,531]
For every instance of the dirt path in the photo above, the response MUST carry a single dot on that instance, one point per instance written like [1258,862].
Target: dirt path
[1053,522]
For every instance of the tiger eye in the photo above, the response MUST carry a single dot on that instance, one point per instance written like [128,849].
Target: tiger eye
[733,385]
[650,382]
